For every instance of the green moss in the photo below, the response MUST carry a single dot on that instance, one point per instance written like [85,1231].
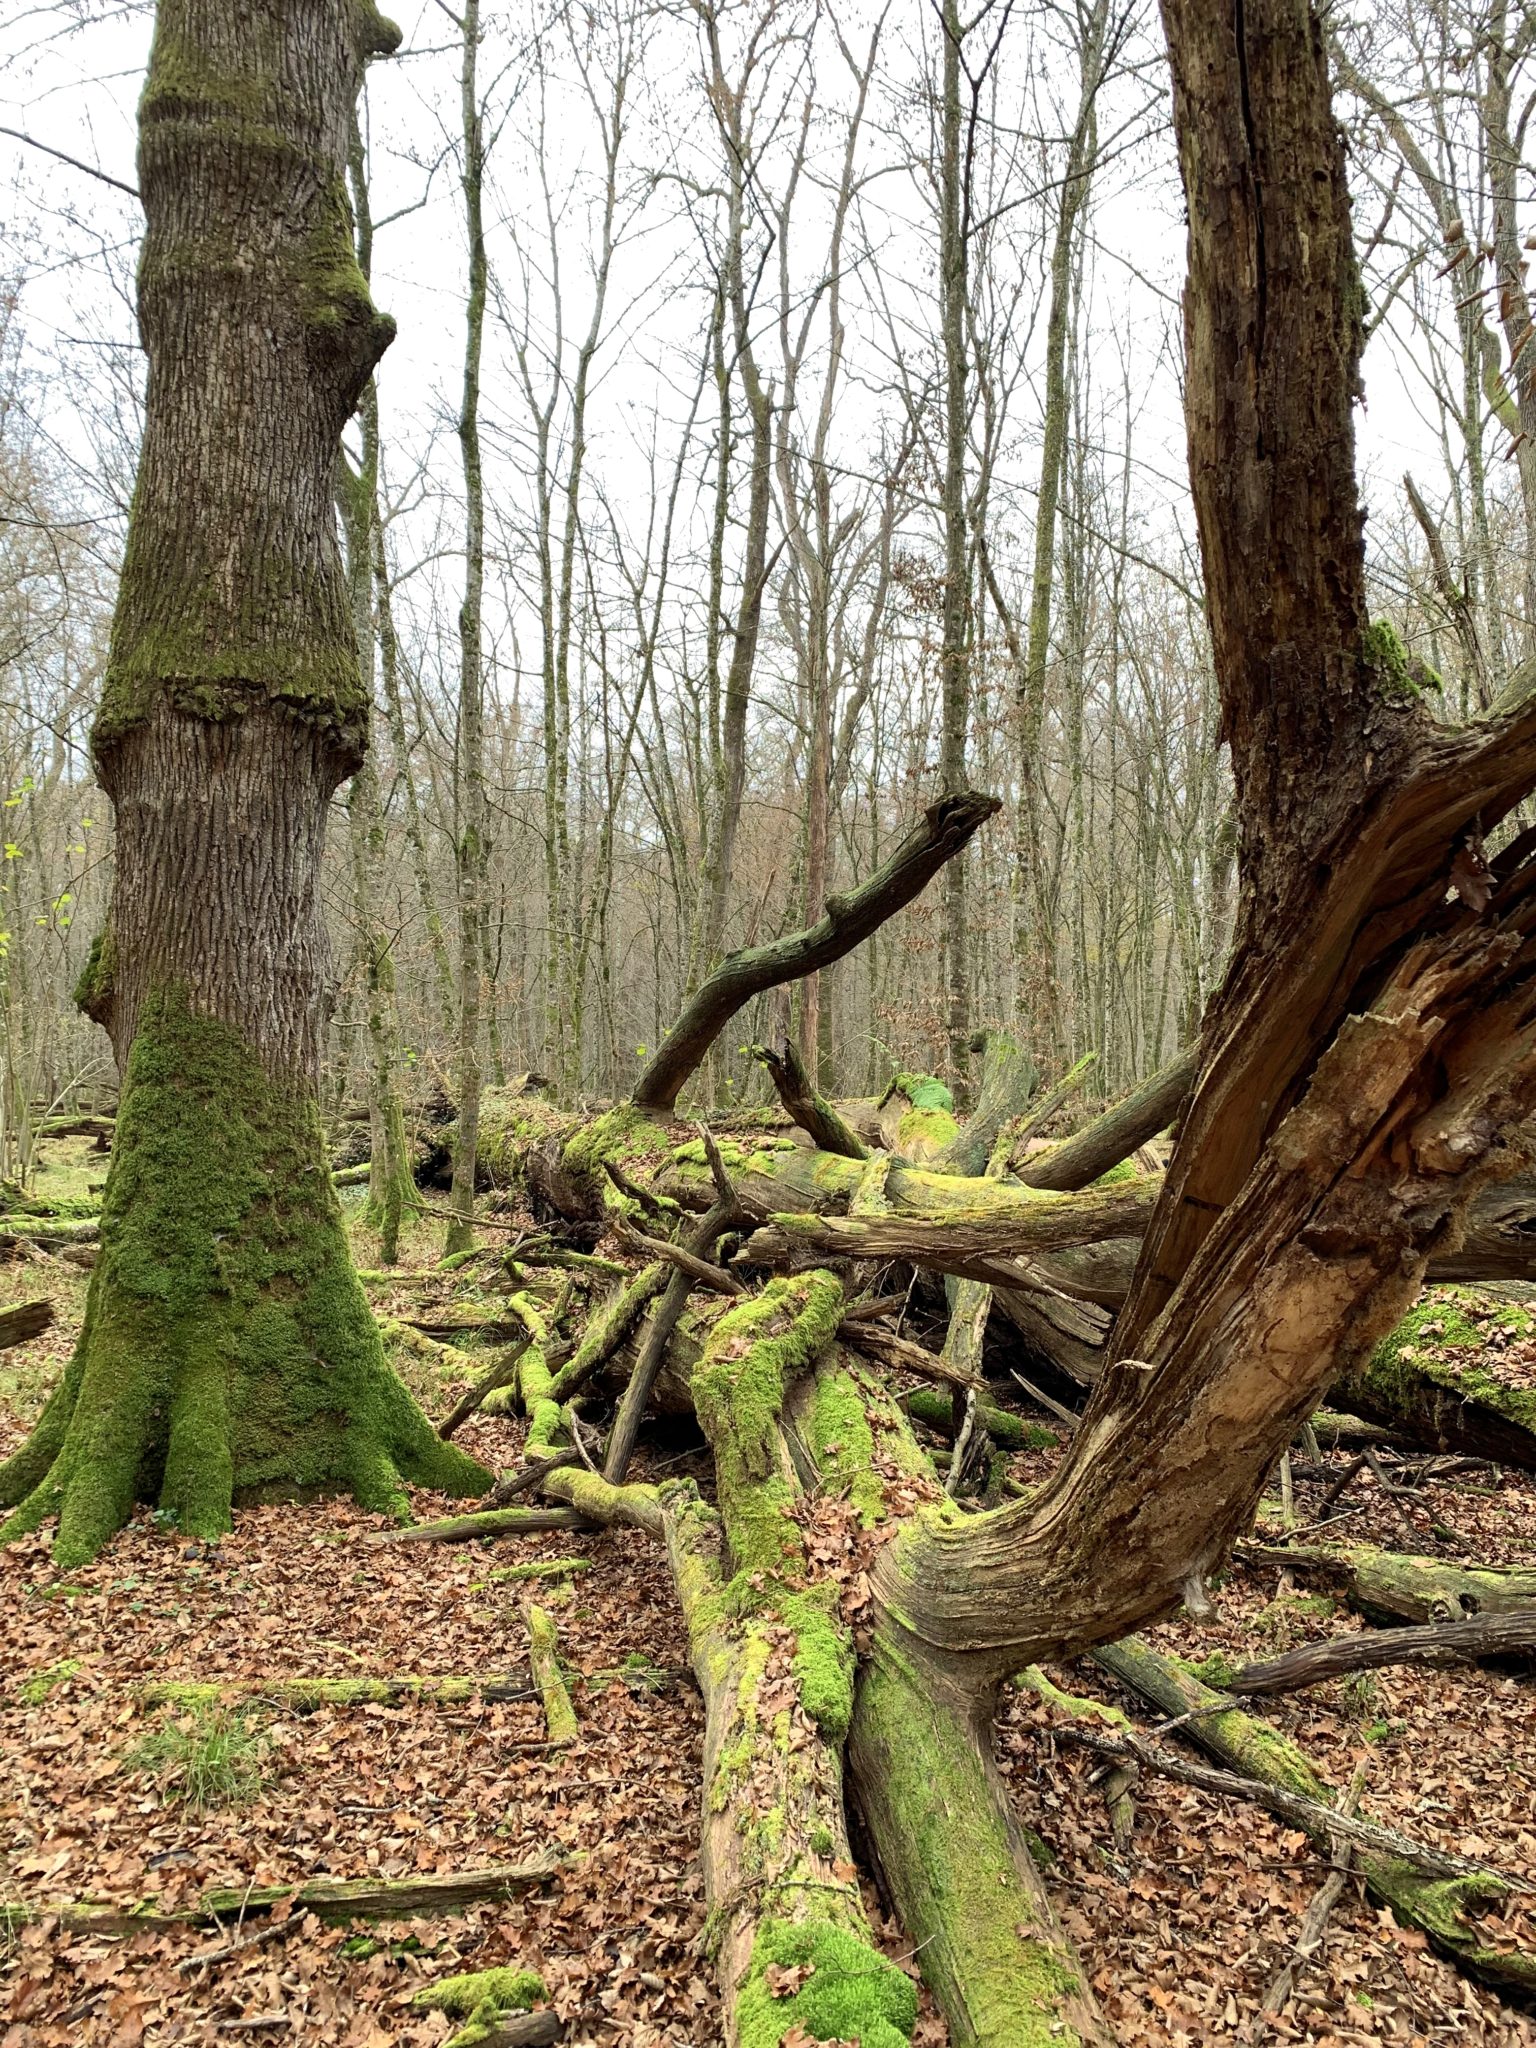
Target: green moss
[852,1993]
[739,1384]
[481,1997]
[622,1135]
[844,1444]
[823,1659]
[36,1687]
[1216,1670]
[1117,1175]
[93,991]
[923,1091]
[1399,675]
[227,1346]
[1451,1320]
[821,1841]
[935,1784]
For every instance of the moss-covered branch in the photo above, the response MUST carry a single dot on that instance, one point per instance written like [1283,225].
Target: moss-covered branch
[1439,1906]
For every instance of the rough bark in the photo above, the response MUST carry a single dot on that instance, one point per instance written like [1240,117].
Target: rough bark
[23,1320]
[227,1345]
[1452,1642]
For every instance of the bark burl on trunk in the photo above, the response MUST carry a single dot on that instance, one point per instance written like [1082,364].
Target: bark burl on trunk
[227,1346]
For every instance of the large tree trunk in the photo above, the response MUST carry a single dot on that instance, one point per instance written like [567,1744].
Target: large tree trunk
[227,1344]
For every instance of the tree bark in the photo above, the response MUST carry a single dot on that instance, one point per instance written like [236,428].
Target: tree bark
[227,1344]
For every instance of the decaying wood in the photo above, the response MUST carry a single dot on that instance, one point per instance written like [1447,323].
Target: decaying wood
[849,918]
[1454,1642]
[821,1120]
[469,1528]
[986,1248]
[310,1695]
[1438,1906]
[22,1320]
[544,1661]
[329,1899]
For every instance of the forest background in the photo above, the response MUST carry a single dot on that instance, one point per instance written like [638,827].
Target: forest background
[710,578]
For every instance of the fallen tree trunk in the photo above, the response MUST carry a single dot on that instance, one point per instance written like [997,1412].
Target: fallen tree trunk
[1453,1642]
[1436,1379]
[469,1528]
[946,827]
[309,1695]
[23,1320]
[1386,1584]
[329,1899]
[775,1663]
[1437,1906]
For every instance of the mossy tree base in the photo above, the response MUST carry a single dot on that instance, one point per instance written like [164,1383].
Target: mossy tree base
[227,1348]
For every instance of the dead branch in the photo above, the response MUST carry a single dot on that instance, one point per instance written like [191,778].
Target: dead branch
[946,827]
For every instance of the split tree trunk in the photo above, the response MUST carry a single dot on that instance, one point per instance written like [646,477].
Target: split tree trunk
[227,1344]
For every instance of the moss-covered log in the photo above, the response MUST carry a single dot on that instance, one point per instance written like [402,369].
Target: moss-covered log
[330,1899]
[310,1695]
[471,1528]
[1436,1379]
[544,1661]
[1386,1585]
[497,2007]
[1009,1430]
[1440,1907]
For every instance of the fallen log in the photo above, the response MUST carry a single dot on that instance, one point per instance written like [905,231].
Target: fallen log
[544,1661]
[329,1899]
[1437,1906]
[1436,1378]
[972,1246]
[38,1230]
[310,1695]
[936,1411]
[1386,1583]
[497,2006]
[22,1320]
[1453,1642]
[849,918]
[775,1664]
[469,1528]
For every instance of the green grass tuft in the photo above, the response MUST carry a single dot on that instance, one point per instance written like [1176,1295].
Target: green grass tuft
[210,1757]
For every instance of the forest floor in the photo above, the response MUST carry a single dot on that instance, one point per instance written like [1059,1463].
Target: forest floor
[1182,1933]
